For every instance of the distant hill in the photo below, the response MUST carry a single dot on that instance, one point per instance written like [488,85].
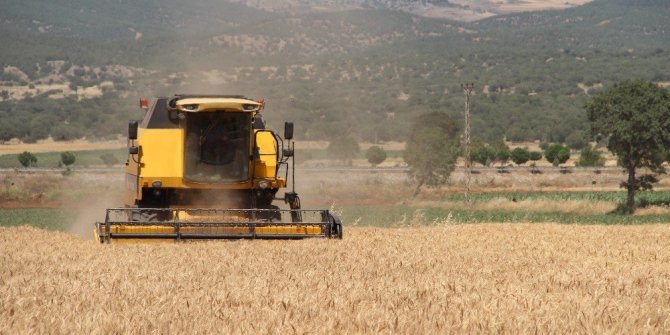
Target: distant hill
[76,68]
[461,10]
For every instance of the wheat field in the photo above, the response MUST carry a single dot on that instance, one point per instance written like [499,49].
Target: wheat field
[479,278]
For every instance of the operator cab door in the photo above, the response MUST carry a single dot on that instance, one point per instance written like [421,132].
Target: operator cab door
[267,154]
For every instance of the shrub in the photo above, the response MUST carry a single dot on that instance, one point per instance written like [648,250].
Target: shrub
[375,155]
[520,155]
[483,154]
[534,156]
[590,156]
[27,159]
[557,154]
[67,158]
[502,154]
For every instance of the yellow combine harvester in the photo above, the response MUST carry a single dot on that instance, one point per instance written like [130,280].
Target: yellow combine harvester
[205,167]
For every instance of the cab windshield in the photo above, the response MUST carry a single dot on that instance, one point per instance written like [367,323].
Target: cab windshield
[216,146]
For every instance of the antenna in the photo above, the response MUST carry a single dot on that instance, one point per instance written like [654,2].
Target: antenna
[468,89]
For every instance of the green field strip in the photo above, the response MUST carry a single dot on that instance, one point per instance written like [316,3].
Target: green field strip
[614,196]
[45,218]
[51,159]
[387,216]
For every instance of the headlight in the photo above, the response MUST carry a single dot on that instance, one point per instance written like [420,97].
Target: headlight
[190,108]
[263,184]
[156,184]
[249,107]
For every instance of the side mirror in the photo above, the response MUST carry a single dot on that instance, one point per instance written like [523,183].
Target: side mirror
[288,130]
[171,104]
[134,150]
[132,130]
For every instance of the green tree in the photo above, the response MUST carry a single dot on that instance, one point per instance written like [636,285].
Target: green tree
[27,159]
[590,156]
[67,158]
[520,155]
[557,154]
[432,150]
[635,116]
[344,148]
[534,156]
[375,155]
[502,152]
[482,153]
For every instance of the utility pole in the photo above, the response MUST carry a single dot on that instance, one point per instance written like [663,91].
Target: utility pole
[467,90]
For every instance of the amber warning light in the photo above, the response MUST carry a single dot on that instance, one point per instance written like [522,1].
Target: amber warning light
[144,103]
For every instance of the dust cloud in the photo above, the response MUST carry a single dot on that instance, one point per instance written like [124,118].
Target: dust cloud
[327,187]
[103,191]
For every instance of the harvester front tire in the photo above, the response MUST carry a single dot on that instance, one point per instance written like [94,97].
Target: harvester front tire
[150,216]
[143,217]
[273,214]
[336,226]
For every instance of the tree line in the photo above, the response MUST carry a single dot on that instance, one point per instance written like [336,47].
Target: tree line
[632,117]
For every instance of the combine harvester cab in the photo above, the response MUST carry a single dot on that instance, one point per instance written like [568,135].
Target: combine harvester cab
[204,167]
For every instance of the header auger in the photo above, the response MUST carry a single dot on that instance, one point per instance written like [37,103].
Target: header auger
[205,167]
